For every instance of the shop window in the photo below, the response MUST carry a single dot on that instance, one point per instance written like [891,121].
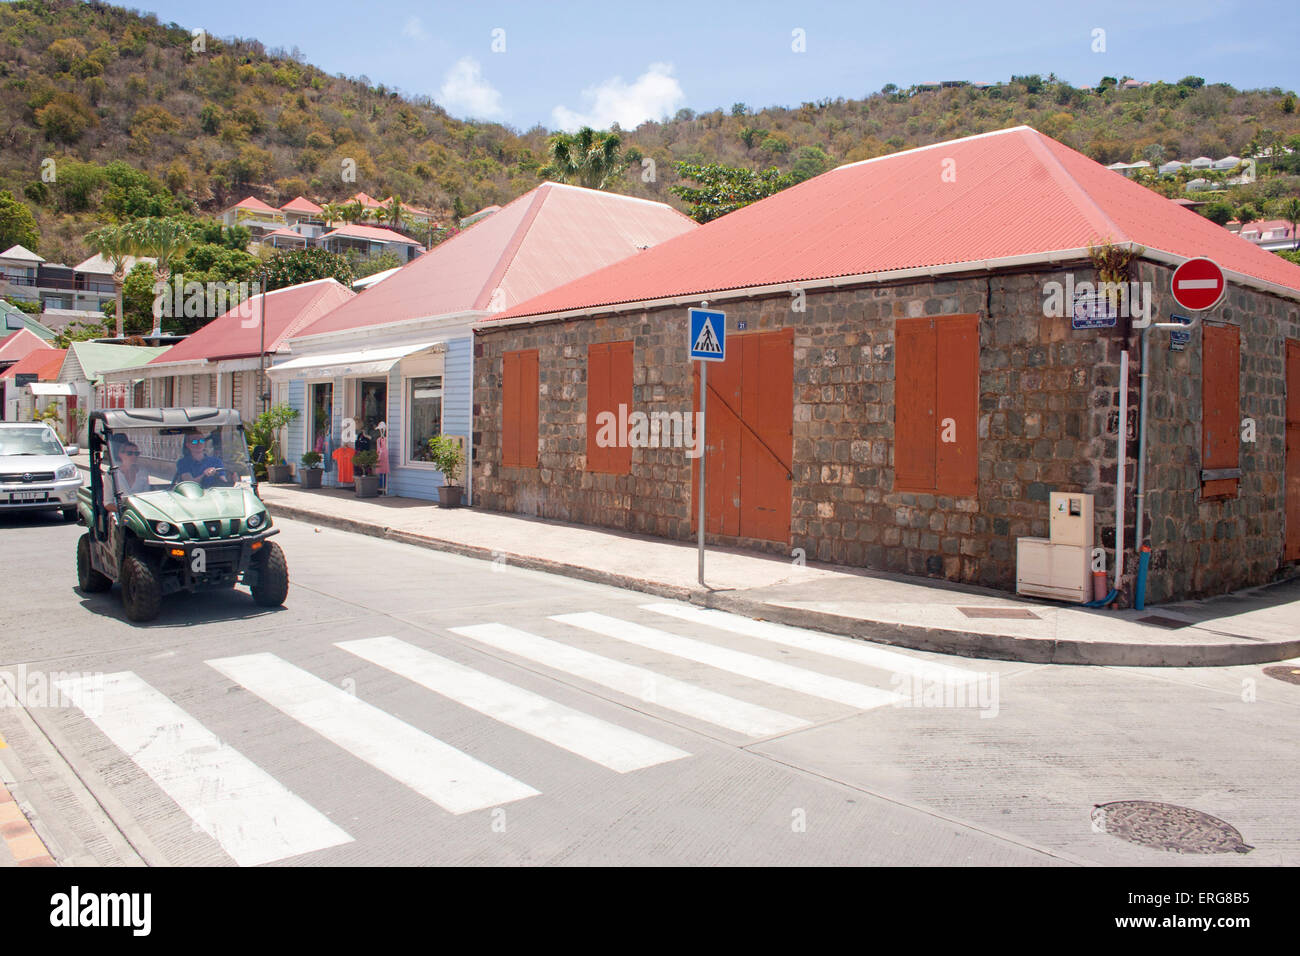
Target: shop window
[1220,411]
[936,401]
[519,392]
[609,386]
[423,415]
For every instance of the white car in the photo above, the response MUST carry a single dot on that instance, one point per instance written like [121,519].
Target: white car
[36,473]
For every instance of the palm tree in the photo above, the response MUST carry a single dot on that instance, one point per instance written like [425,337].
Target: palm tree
[164,239]
[393,213]
[332,212]
[116,244]
[355,212]
[1289,209]
[586,157]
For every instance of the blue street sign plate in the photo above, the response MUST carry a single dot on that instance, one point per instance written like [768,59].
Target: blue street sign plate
[708,335]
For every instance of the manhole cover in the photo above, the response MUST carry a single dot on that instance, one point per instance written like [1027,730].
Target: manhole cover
[1158,621]
[1006,612]
[1284,672]
[1164,826]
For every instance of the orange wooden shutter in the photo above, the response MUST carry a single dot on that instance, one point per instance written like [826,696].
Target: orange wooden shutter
[957,347]
[620,394]
[528,410]
[519,409]
[914,405]
[510,409]
[1220,406]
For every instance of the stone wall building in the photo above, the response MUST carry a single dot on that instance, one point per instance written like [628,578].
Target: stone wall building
[897,396]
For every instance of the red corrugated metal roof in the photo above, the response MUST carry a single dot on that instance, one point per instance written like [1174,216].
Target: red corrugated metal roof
[44,362]
[20,344]
[237,333]
[373,233]
[300,204]
[546,237]
[1011,193]
[252,202]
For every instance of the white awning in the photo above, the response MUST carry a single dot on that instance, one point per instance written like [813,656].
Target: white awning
[52,388]
[358,362]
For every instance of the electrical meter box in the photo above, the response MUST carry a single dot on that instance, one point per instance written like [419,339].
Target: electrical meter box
[1058,566]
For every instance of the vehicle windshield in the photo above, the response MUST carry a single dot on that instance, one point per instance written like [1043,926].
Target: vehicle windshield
[153,459]
[37,440]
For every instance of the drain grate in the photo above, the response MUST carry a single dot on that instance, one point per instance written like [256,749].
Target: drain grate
[1158,621]
[1164,826]
[1003,612]
[1284,672]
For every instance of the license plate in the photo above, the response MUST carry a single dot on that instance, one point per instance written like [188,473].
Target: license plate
[26,496]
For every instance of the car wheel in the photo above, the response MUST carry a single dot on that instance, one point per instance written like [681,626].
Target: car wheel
[88,579]
[272,577]
[70,514]
[141,589]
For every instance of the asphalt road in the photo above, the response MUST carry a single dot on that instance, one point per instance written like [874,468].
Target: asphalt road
[408,707]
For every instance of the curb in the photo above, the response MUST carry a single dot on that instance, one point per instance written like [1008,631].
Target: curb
[20,839]
[1003,647]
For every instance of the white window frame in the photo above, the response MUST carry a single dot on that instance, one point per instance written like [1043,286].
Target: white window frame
[407,379]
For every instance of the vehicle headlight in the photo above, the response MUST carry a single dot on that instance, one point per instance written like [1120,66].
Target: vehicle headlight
[65,472]
[163,528]
[255,521]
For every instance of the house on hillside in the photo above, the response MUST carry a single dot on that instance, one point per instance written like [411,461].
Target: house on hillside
[370,241]
[31,382]
[222,363]
[256,216]
[400,352]
[906,398]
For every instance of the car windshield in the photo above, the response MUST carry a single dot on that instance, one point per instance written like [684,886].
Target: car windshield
[158,458]
[37,440]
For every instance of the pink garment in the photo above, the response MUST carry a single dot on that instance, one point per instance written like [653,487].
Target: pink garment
[381,449]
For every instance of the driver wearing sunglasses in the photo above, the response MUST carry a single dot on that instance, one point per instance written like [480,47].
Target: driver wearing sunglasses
[197,465]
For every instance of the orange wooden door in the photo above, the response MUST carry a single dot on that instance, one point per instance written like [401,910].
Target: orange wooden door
[750,438]
[1292,550]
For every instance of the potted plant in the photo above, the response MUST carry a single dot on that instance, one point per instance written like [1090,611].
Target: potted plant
[447,455]
[311,469]
[363,464]
[263,432]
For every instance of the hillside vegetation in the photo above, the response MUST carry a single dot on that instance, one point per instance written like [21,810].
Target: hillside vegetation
[92,85]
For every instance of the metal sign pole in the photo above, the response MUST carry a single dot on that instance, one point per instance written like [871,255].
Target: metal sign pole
[704,379]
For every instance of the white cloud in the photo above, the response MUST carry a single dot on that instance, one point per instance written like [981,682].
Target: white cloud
[652,96]
[414,28]
[466,93]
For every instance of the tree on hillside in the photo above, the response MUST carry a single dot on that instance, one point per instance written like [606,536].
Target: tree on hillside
[393,214]
[305,265]
[1219,212]
[116,244]
[163,240]
[585,158]
[17,224]
[723,189]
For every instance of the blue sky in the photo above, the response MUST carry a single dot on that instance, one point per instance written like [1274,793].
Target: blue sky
[571,62]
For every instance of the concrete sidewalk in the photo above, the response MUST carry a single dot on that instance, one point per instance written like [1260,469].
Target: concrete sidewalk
[1249,627]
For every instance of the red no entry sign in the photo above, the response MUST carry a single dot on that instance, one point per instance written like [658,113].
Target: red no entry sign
[1198,284]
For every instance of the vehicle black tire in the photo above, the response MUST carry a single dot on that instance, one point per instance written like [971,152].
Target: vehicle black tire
[272,577]
[70,514]
[88,579]
[141,589]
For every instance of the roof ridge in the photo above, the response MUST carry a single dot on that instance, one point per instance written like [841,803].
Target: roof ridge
[946,142]
[1089,207]
[498,272]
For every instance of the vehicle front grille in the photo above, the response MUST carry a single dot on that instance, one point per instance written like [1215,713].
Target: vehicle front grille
[26,477]
[191,529]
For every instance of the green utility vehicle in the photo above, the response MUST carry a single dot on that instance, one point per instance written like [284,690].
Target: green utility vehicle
[172,505]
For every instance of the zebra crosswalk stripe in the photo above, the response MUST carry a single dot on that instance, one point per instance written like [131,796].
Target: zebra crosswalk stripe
[596,740]
[639,683]
[859,652]
[231,799]
[453,780]
[752,666]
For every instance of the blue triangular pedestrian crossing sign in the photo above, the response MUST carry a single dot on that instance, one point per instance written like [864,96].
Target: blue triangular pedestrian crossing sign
[708,335]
